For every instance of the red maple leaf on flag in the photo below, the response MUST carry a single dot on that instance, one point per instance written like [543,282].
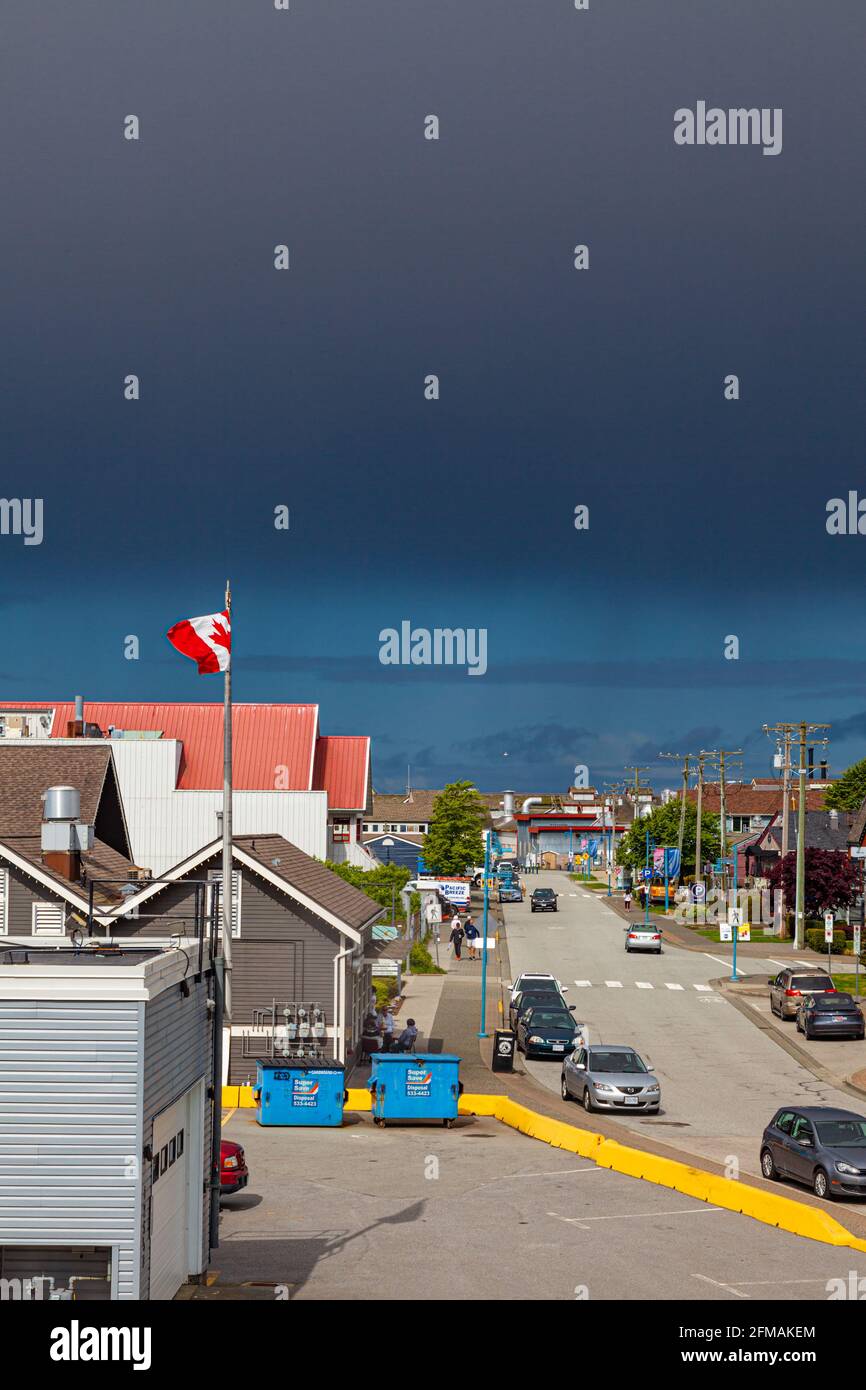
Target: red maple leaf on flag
[220,636]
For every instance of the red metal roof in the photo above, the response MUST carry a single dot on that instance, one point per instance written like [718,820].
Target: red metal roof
[342,768]
[273,745]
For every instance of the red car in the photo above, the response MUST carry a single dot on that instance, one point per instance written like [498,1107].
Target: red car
[234,1174]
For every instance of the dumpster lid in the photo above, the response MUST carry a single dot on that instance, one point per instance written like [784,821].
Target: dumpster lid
[391,1058]
[299,1064]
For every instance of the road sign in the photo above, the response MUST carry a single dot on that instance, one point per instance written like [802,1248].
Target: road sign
[726,931]
[699,891]
[646,875]
[856,941]
[829,923]
[735,916]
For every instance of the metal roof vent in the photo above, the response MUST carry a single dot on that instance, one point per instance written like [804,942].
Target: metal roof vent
[61,803]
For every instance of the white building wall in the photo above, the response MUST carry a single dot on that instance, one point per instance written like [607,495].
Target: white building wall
[165,825]
[70,1127]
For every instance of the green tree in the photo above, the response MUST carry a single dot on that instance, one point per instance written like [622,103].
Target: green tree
[849,792]
[455,840]
[382,884]
[664,827]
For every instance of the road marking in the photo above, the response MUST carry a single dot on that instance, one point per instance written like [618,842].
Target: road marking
[773,961]
[667,986]
[716,959]
[614,984]
[635,1215]
[729,1288]
[583,984]
[226,1116]
[705,989]
[643,984]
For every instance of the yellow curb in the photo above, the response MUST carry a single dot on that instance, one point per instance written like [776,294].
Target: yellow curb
[785,1213]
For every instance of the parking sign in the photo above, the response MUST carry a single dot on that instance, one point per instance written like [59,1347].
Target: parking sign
[829,923]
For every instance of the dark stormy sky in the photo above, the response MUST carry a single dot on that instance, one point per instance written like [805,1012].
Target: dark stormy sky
[409,257]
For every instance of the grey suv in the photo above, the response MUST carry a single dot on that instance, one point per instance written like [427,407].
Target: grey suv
[788,987]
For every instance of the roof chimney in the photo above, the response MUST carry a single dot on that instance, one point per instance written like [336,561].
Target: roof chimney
[75,726]
[63,834]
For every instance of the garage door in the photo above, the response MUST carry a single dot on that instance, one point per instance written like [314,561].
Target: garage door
[170,1200]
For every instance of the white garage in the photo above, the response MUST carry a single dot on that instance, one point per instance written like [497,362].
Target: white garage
[176,1210]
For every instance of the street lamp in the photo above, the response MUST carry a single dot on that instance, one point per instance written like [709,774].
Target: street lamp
[482,1031]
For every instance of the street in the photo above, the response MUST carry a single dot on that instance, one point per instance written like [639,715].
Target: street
[481,1212]
[722,1079]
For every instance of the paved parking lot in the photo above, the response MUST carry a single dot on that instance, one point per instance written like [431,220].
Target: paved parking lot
[481,1212]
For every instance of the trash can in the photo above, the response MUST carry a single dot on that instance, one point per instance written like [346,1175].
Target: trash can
[503,1050]
[415,1086]
[295,1091]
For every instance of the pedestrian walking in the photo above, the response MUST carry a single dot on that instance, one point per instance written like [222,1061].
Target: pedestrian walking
[456,937]
[626,898]
[471,932]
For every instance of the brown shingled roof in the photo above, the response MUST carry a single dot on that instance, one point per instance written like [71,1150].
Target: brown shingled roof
[756,801]
[26,771]
[310,877]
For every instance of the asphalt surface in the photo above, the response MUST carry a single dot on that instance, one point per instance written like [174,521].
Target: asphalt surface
[481,1212]
[722,1078]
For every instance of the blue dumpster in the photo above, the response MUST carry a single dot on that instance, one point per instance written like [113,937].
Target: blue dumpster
[415,1086]
[295,1091]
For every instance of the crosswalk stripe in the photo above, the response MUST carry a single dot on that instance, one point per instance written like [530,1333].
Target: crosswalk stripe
[614,984]
[673,986]
[583,984]
[643,984]
[705,989]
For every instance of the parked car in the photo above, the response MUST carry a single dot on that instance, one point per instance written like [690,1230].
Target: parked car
[543,900]
[819,1146]
[547,1030]
[610,1078]
[528,998]
[234,1174]
[510,892]
[642,938]
[834,1015]
[787,988]
[529,979]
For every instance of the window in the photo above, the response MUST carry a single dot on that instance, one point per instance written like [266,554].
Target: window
[801,1131]
[4,902]
[216,876]
[784,1121]
[48,919]
[341,831]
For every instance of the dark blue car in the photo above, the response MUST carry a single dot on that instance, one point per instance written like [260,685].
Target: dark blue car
[819,1146]
[834,1015]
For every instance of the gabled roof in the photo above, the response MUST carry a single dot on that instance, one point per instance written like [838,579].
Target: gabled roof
[298,875]
[265,738]
[342,769]
[28,769]
[101,865]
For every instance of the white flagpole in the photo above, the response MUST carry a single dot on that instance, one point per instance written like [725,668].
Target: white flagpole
[228,878]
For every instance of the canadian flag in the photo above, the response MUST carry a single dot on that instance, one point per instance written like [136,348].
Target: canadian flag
[208,641]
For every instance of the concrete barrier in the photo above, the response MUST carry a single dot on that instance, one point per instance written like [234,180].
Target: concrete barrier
[785,1213]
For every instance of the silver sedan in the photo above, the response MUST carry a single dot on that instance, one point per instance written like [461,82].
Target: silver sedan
[610,1078]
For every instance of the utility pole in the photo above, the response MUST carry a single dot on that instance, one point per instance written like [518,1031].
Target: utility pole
[720,754]
[785,731]
[802,730]
[611,789]
[686,757]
